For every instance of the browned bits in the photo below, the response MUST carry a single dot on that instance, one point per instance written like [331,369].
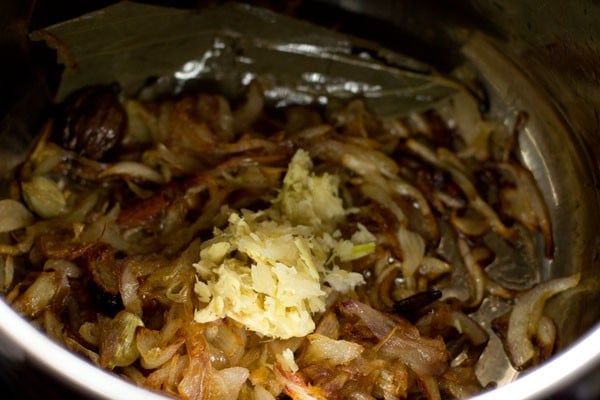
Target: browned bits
[104,269]
[94,122]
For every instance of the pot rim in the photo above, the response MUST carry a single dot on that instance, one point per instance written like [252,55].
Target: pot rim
[561,370]
[26,342]
[21,341]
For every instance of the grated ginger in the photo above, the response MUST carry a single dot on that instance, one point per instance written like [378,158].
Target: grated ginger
[271,270]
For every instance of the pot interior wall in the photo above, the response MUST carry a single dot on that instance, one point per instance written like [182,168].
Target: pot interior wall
[519,50]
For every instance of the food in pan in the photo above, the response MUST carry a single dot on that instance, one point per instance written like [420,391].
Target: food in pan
[206,247]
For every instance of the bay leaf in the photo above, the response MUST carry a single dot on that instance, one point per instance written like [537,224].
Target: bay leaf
[297,62]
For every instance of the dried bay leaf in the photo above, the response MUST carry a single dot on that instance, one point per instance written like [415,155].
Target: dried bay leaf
[297,62]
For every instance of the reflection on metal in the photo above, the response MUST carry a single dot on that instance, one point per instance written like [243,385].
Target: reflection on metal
[295,62]
[516,265]
[493,367]
[551,41]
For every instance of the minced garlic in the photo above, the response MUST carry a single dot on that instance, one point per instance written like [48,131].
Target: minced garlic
[271,270]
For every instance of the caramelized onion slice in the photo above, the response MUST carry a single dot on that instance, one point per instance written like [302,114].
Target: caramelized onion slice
[7,273]
[44,197]
[152,354]
[13,215]
[430,388]
[133,170]
[39,294]
[228,382]
[295,386]
[117,340]
[465,324]
[526,314]
[425,356]
[446,160]
[525,203]
[323,349]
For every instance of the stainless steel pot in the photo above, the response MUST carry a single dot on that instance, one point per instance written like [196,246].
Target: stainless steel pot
[540,56]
